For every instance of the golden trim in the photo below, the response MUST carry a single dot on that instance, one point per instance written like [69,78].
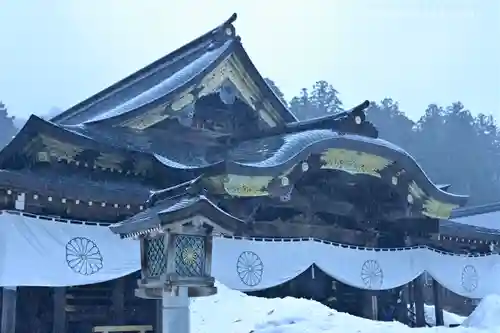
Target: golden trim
[246,186]
[353,162]
[416,191]
[437,209]
[58,148]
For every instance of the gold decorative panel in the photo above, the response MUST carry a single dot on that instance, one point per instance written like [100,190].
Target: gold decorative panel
[437,209]
[415,191]
[353,162]
[59,149]
[246,186]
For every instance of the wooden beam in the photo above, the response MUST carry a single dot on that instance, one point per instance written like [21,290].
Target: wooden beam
[438,310]
[369,304]
[9,300]
[374,300]
[59,320]
[291,229]
[159,315]
[118,301]
[418,285]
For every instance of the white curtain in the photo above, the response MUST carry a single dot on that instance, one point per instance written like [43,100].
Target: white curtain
[44,252]
[253,264]
[367,268]
[468,276]
[39,252]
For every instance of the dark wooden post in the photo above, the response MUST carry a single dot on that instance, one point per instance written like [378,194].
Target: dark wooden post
[374,300]
[159,313]
[59,319]
[370,303]
[438,309]
[418,292]
[9,300]
[118,300]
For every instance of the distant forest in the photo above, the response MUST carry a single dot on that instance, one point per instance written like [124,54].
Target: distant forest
[452,146]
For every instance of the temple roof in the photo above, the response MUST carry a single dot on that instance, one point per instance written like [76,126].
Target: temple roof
[253,163]
[198,68]
[205,111]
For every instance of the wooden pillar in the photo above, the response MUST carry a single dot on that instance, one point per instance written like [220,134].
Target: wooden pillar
[9,300]
[438,309]
[158,328]
[418,292]
[118,300]
[402,302]
[59,319]
[374,299]
[370,306]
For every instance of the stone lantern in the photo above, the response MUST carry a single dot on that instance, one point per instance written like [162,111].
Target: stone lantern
[176,253]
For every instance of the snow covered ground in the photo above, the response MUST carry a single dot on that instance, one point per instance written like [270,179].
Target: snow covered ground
[449,318]
[234,312]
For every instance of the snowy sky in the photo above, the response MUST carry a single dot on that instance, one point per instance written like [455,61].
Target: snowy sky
[58,52]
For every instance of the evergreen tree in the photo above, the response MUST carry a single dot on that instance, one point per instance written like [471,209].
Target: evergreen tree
[7,127]
[301,105]
[324,99]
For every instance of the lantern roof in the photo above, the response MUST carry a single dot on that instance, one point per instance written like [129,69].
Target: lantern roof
[171,211]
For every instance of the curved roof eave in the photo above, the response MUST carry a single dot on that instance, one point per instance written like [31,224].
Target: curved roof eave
[36,125]
[299,146]
[295,147]
[32,127]
[200,42]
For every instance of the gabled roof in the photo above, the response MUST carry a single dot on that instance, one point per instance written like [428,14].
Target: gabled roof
[156,83]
